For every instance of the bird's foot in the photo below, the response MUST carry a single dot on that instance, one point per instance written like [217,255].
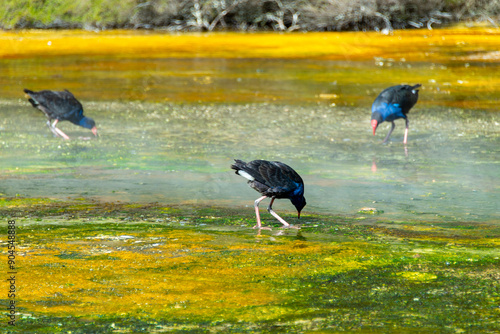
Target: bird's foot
[262,228]
[291,226]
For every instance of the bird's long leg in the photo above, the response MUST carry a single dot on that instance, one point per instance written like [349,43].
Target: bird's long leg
[271,211]
[390,131]
[257,215]
[59,131]
[52,129]
[406,131]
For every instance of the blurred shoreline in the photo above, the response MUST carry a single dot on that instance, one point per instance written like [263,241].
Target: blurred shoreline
[247,15]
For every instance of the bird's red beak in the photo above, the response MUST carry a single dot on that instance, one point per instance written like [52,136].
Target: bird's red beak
[298,214]
[374,125]
[94,131]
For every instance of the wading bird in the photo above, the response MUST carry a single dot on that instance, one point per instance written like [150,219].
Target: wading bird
[393,103]
[275,180]
[60,106]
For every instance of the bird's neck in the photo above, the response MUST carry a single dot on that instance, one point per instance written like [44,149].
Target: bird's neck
[376,115]
[299,191]
[85,122]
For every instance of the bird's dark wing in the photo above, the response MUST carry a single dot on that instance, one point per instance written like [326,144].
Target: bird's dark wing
[394,102]
[56,105]
[284,174]
[279,177]
[282,180]
[251,168]
[271,178]
[403,96]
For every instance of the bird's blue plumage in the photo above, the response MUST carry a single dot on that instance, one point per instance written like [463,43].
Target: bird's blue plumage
[86,122]
[299,190]
[388,111]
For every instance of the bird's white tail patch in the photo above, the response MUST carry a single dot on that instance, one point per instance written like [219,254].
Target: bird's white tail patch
[246,175]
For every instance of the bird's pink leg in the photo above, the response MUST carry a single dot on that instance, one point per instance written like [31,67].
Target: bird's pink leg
[390,131]
[59,132]
[52,129]
[281,220]
[405,140]
[256,205]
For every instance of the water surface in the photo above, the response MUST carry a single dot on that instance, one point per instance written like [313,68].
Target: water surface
[174,110]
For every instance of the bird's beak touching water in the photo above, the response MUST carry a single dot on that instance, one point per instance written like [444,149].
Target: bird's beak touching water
[374,125]
[94,131]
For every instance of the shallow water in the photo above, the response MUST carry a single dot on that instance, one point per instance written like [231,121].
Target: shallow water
[181,154]
[310,111]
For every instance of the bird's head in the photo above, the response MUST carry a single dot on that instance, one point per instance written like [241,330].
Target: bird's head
[299,202]
[89,123]
[376,120]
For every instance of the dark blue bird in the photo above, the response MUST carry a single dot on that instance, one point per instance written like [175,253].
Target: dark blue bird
[60,106]
[272,179]
[393,103]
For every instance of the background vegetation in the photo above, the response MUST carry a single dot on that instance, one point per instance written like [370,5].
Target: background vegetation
[244,15]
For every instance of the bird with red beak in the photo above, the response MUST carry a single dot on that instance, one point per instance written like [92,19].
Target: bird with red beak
[393,103]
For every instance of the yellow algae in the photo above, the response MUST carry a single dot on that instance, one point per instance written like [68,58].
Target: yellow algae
[15,202]
[173,275]
[406,45]
[178,273]
[417,277]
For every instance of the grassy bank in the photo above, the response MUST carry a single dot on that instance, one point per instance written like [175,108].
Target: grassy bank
[244,15]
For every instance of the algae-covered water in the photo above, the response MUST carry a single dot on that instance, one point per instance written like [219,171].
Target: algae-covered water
[146,228]
[169,153]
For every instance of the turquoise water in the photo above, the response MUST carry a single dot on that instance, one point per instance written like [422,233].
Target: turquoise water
[180,153]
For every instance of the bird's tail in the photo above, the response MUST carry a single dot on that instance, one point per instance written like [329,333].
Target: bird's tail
[242,169]
[29,95]
[238,165]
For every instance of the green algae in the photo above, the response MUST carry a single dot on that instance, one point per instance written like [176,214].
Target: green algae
[121,266]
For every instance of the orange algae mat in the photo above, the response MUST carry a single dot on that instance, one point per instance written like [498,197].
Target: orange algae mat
[457,67]
[412,45]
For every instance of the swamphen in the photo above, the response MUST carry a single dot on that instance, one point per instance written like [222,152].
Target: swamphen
[393,103]
[272,179]
[60,106]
